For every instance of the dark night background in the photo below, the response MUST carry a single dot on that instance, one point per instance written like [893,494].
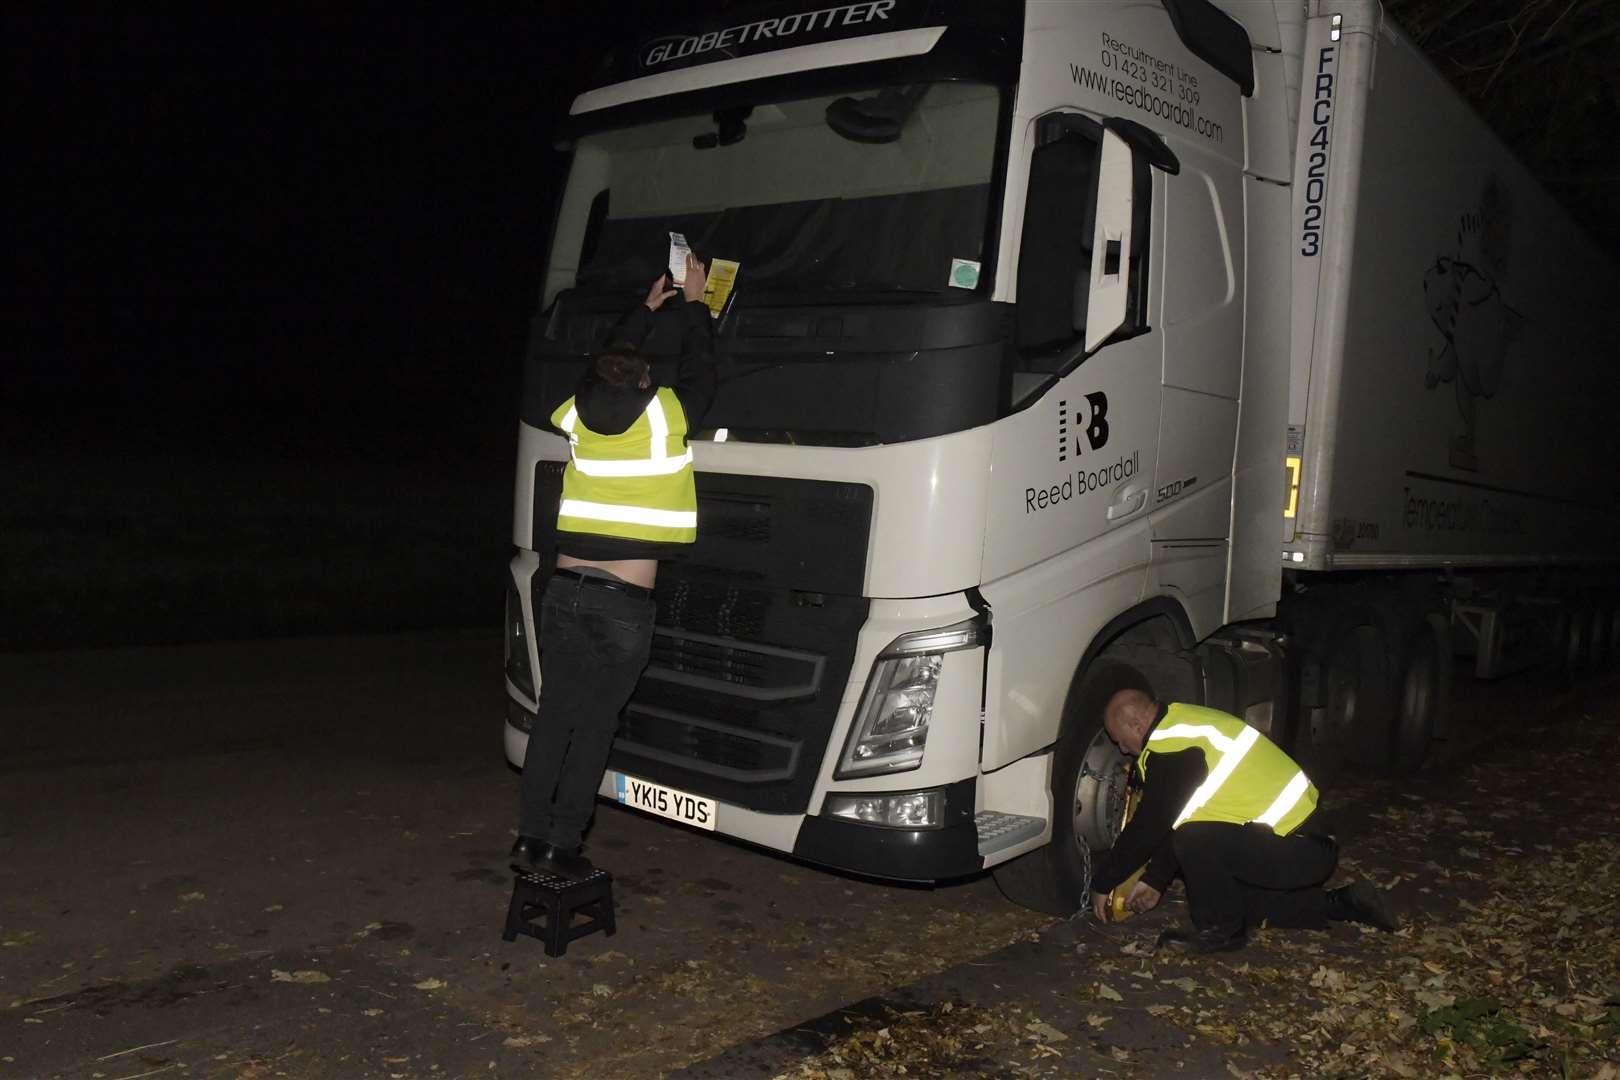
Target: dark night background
[269,285]
[269,281]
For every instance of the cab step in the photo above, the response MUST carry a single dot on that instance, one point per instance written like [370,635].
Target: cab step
[998,831]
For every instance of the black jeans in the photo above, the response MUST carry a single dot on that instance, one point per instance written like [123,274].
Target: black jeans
[1239,876]
[594,643]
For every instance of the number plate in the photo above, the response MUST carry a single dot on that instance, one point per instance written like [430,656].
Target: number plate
[692,810]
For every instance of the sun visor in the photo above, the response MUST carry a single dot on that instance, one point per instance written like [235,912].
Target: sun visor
[733,46]
[900,43]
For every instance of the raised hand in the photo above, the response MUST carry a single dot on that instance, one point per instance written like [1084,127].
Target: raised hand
[658,294]
[697,279]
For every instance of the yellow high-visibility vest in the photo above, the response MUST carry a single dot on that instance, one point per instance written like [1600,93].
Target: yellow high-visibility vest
[637,484]
[1250,777]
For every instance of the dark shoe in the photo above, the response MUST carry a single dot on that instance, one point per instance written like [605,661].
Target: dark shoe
[526,853]
[1361,902]
[564,862]
[1202,941]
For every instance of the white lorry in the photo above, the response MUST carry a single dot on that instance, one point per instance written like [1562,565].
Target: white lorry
[1215,348]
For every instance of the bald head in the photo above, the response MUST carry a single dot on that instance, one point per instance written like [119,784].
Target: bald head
[1128,717]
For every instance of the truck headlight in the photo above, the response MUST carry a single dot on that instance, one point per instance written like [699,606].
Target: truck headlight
[891,723]
[906,810]
[517,644]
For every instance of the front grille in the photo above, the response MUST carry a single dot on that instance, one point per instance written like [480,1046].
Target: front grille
[750,670]
[712,605]
[728,518]
[754,640]
[740,720]
[849,507]
[704,746]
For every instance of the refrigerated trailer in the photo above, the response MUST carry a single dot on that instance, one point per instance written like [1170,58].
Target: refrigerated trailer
[1211,348]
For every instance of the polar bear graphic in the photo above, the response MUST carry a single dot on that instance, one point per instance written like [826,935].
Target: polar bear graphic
[1463,294]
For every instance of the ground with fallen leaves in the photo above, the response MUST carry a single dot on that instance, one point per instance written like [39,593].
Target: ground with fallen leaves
[298,870]
[260,859]
[1505,863]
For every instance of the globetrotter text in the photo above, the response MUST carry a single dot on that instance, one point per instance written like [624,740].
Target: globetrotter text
[679,47]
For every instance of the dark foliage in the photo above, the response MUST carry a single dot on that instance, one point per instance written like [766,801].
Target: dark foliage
[1545,74]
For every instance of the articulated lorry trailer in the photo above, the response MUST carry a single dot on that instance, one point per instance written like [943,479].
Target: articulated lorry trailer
[1211,348]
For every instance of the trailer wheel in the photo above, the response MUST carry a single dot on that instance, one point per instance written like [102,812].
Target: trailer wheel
[1575,640]
[1597,636]
[1551,651]
[1355,722]
[1424,693]
[1089,775]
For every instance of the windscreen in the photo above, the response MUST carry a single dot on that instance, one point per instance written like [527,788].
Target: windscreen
[884,189]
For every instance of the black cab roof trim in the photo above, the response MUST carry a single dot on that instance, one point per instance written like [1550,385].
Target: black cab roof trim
[1216,38]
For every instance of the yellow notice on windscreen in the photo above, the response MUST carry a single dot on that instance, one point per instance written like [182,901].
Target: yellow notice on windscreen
[722,276]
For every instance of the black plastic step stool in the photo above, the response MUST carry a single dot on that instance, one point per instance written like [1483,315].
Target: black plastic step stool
[544,906]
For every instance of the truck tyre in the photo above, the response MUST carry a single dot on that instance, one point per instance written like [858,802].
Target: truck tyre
[1575,626]
[1089,775]
[1356,720]
[1423,693]
[1597,637]
[1288,712]
[1550,651]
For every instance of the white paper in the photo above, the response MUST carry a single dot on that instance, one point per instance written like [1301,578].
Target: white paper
[678,251]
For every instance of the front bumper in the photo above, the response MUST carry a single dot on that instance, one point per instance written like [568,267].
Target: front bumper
[951,851]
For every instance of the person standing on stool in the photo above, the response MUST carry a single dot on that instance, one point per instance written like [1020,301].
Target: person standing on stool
[628,500]
[1226,808]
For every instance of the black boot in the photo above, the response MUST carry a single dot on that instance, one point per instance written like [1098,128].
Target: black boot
[1361,902]
[564,862]
[526,853]
[533,855]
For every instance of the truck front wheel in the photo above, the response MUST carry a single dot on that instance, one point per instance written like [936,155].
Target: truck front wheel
[1089,777]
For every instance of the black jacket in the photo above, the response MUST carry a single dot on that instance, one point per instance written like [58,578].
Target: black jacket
[609,410]
[1147,835]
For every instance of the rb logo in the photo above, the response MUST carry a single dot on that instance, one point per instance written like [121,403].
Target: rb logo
[1095,431]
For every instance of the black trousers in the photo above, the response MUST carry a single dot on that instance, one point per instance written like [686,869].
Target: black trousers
[594,643]
[1240,876]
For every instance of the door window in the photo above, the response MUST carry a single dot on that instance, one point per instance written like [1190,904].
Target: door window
[1059,256]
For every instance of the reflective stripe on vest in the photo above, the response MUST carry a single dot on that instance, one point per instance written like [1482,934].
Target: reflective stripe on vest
[629,515]
[658,462]
[635,485]
[1250,779]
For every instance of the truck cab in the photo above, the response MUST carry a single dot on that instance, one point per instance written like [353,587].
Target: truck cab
[1003,415]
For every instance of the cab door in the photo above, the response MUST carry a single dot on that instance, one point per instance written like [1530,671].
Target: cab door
[1075,460]
[1202,337]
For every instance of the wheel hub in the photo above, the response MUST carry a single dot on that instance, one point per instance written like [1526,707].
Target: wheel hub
[1098,806]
